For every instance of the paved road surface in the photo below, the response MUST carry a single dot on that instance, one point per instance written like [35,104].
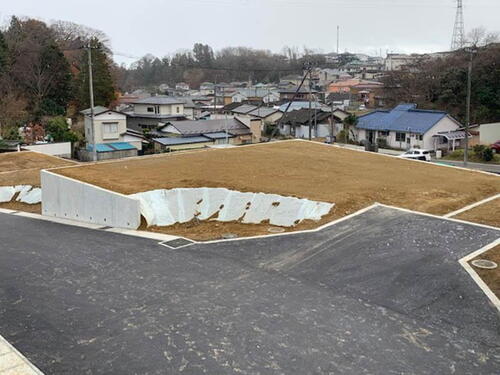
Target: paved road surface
[380,293]
[492,168]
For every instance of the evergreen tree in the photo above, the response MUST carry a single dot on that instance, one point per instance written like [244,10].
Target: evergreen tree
[104,88]
[60,91]
[4,54]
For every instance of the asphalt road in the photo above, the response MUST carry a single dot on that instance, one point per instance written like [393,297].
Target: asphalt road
[492,168]
[380,293]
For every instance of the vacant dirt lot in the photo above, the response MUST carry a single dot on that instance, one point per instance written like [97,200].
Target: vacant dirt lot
[14,161]
[490,277]
[350,179]
[488,213]
[23,168]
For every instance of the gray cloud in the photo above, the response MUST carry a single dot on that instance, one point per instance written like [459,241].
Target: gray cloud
[161,27]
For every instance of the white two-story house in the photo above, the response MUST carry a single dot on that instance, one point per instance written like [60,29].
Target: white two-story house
[109,131]
[148,113]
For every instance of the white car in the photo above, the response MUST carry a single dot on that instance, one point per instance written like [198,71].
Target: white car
[417,154]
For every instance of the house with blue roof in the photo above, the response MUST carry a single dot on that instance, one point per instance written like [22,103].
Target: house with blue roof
[405,127]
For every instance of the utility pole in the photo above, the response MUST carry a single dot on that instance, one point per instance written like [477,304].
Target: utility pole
[338,38]
[467,116]
[91,91]
[310,104]
[215,96]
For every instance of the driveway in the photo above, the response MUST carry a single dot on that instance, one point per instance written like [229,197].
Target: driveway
[380,293]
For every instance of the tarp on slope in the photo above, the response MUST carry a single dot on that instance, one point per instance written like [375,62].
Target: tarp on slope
[27,194]
[168,207]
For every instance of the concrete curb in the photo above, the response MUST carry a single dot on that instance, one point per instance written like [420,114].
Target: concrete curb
[471,206]
[477,279]
[13,362]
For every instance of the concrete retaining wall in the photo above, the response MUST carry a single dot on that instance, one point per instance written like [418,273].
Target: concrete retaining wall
[67,198]
[85,155]
[62,149]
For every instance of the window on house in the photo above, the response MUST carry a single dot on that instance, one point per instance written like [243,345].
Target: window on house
[383,133]
[420,137]
[157,109]
[110,127]
[400,137]
[151,109]
[178,109]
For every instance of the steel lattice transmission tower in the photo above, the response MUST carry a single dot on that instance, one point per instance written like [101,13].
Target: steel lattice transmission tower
[458,40]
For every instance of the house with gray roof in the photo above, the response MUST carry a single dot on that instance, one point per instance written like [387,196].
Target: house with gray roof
[405,127]
[180,135]
[148,113]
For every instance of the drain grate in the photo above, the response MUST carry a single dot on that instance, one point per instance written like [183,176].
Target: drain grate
[177,243]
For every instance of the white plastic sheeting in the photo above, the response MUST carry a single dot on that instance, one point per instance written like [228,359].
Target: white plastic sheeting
[27,194]
[168,207]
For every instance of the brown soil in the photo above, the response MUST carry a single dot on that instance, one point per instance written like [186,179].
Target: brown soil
[490,277]
[18,206]
[488,213]
[14,161]
[23,168]
[350,179]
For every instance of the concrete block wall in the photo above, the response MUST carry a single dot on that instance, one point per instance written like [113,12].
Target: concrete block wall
[62,149]
[67,198]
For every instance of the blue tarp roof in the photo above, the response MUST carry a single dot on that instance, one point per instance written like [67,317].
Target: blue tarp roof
[110,147]
[403,118]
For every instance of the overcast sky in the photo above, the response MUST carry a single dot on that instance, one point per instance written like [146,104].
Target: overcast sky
[161,27]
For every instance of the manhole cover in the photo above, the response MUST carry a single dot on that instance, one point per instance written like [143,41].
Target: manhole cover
[276,230]
[485,264]
[229,236]
[177,243]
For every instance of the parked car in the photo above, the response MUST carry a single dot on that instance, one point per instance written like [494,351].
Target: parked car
[417,154]
[496,147]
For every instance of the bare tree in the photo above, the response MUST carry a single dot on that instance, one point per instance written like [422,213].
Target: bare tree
[480,37]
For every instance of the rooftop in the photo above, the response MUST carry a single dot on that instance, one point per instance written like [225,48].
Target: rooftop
[207,126]
[404,118]
[159,100]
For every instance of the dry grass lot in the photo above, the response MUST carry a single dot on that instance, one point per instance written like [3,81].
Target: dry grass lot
[490,277]
[23,168]
[350,179]
[488,213]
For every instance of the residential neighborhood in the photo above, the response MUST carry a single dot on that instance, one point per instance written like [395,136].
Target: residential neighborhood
[181,193]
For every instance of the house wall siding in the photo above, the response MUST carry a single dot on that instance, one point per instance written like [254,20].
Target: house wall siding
[489,133]
[99,121]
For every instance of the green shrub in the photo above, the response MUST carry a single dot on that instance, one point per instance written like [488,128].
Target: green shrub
[478,149]
[341,136]
[487,154]
[57,129]
[457,154]
[382,142]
